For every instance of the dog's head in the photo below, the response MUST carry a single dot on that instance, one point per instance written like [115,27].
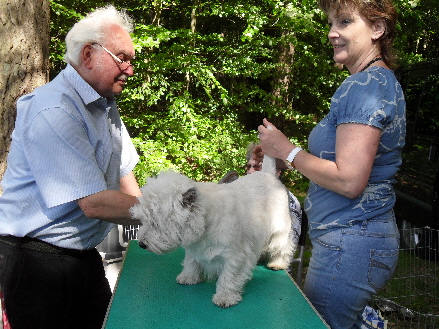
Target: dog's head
[171,211]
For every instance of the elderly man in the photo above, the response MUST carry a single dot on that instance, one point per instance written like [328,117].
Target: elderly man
[69,178]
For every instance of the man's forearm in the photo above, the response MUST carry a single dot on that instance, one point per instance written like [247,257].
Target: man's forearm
[110,206]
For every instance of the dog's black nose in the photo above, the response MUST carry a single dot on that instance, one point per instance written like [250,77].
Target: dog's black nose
[142,245]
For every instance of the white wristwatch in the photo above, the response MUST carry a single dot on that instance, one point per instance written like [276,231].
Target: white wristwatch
[291,156]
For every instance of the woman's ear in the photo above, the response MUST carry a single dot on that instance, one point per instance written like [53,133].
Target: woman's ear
[378,27]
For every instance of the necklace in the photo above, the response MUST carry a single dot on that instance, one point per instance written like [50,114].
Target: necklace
[371,62]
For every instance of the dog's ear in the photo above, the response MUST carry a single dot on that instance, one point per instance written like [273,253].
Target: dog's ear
[189,198]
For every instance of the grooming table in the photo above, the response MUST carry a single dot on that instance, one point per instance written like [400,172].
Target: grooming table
[147,295]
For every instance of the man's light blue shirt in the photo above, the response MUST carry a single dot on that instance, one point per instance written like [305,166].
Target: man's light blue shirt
[68,143]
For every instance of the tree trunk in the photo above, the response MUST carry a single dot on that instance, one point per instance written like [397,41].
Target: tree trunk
[281,81]
[195,5]
[24,59]
[283,74]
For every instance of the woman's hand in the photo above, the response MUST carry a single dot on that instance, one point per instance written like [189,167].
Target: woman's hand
[273,142]
[356,148]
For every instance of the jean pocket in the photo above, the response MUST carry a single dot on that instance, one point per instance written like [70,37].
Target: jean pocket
[330,240]
[381,267]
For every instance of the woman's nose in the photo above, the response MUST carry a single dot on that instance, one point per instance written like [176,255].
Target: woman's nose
[333,32]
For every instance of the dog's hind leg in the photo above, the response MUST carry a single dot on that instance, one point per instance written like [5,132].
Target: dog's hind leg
[280,262]
[280,251]
[192,271]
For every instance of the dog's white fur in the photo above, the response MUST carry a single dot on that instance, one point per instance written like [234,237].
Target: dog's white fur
[224,228]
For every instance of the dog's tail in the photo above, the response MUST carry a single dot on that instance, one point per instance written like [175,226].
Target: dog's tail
[269,163]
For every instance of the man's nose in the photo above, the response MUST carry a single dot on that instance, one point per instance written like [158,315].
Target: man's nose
[129,71]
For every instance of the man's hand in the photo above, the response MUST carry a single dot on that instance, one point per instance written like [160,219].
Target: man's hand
[258,155]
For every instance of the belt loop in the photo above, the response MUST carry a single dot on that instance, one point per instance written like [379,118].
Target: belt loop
[20,241]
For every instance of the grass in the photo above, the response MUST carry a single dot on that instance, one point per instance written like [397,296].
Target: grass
[411,298]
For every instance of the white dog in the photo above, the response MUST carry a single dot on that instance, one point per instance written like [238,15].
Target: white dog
[224,228]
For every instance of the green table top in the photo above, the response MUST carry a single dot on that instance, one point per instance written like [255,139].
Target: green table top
[147,295]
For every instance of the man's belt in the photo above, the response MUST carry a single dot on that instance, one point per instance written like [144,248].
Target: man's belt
[29,243]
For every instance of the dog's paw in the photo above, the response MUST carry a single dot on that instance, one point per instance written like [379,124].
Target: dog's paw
[225,300]
[277,265]
[188,278]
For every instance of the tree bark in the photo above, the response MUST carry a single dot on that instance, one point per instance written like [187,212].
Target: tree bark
[24,59]
[283,74]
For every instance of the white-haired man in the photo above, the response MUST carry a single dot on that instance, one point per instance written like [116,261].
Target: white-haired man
[69,179]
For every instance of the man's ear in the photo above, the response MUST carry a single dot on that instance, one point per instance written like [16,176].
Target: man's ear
[86,55]
[379,28]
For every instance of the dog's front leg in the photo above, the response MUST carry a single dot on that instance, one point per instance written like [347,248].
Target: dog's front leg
[192,271]
[230,284]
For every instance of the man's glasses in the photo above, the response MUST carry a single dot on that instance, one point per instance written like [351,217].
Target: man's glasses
[123,65]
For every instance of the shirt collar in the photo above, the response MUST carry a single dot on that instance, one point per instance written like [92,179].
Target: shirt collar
[85,91]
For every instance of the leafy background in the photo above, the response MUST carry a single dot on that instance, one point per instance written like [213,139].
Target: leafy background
[207,72]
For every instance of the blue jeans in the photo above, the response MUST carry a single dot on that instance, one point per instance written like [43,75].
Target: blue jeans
[348,266]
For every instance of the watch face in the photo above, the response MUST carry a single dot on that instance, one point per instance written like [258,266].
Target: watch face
[289,164]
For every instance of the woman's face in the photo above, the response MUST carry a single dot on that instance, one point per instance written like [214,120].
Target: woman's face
[351,36]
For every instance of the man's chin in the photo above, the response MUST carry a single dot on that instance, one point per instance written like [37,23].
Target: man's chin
[118,90]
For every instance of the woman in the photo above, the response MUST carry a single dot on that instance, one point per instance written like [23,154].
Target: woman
[354,154]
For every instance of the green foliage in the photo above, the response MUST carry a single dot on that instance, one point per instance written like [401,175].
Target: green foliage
[418,33]
[189,142]
[202,89]
[207,72]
